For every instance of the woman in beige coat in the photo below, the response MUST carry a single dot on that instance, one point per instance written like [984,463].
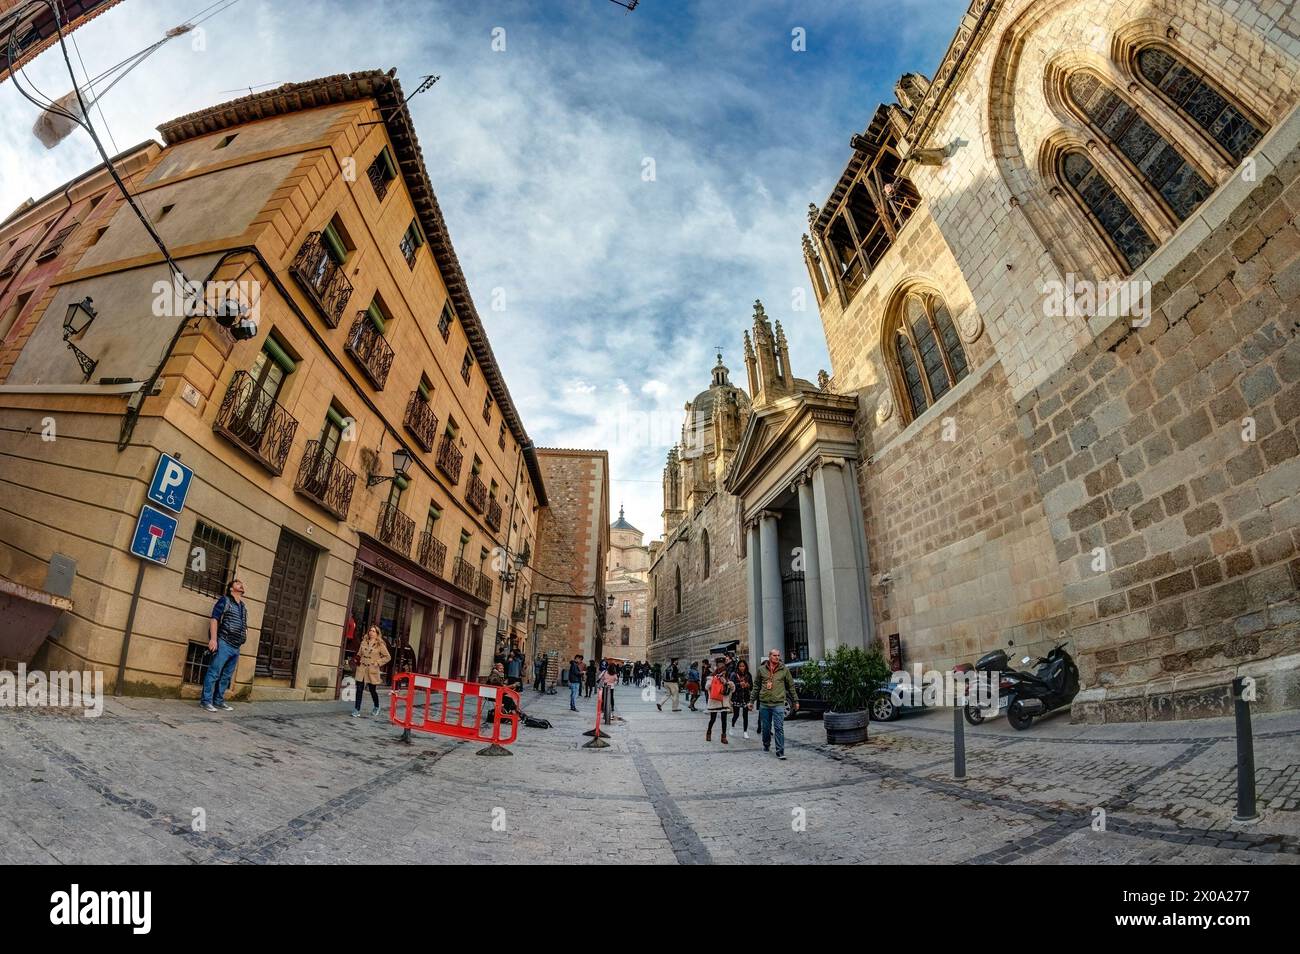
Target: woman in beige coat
[371,658]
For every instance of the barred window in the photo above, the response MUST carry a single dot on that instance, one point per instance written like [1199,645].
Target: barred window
[1171,176]
[196,664]
[1107,208]
[211,562]
[1189,92]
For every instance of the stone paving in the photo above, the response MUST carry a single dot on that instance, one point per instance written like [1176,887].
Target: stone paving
[304,783]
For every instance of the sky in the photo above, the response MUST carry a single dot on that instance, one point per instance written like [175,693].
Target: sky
[620,187]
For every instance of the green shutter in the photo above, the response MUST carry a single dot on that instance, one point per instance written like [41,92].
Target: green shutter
[336,418]
[387,157]
[434,512]
[376,317]
[402,482]
[335,244]
[278,355]
[413,230]
[424,390]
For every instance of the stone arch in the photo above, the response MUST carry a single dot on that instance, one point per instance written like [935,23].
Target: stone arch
[895,360]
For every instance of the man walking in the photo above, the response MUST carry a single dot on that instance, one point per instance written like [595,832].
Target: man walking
[773,683]
[539,673]
[672,678]
[226,633]
[576,674]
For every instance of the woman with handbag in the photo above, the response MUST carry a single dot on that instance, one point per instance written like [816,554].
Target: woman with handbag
[741,697]
[719,688]
[371,659]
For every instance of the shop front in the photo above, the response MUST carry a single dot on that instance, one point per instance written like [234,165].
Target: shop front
[430,626]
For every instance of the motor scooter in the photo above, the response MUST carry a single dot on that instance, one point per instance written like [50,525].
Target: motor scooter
[1053,684]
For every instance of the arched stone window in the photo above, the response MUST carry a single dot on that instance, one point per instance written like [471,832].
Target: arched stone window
[927,353]
[1123,231]
[1180,187]
[1188,91]
[704,552]
[677,588]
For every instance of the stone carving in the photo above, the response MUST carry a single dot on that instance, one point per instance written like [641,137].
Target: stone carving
[969,324]
[884,408]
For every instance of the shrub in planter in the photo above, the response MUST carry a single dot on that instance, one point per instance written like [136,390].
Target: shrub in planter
[848,678]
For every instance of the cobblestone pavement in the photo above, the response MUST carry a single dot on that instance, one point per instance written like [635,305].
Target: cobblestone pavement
[303,783]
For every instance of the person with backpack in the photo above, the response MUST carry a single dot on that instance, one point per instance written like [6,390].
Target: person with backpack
[672,677]
[226,633]
[741,696]
[371,659]
[692,686]
[719,689]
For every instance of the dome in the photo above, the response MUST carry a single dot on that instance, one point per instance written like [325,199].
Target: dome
[621,523]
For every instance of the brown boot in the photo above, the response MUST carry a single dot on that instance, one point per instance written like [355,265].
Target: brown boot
[708,735]
[724,740]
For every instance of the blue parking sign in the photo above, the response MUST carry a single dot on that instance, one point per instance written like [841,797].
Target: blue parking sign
[154,532]
[170,484]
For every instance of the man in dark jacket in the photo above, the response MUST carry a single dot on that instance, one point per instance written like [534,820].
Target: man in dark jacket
[772,685]
[575,680]
[227,631]
[672,680]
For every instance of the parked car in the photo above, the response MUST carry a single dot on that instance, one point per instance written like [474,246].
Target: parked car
[809,702]
[891,700]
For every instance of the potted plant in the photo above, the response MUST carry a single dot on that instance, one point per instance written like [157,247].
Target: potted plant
[848,677]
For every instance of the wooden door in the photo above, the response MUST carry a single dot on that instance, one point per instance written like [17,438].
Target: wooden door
[286,607]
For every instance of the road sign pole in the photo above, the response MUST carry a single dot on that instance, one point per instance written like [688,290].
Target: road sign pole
[130,625]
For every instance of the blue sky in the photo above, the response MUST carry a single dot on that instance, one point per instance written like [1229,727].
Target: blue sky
[613,287]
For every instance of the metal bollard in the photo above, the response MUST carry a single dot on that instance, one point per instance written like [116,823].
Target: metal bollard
[958,741]
[1245,756]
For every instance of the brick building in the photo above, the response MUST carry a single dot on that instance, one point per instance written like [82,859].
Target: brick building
[697,572]
[573,546]
[1037,460]
[310,203]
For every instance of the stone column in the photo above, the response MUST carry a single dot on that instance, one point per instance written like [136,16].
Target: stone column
[773,612]
[754,585]
[812,578]
[838,554]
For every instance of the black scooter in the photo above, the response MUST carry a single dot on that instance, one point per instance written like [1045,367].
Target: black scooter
[1053,684]
[997,662]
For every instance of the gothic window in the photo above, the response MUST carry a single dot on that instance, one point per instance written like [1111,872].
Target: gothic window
[929,356]
[1107,208]
[704,546]
[1189,92]
[677,588]
[1170,175]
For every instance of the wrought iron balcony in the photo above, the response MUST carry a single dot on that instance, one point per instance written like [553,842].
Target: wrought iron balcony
[55,245]
[464,575]
[370,349]
[484,589]
[421,421]
[15,259]
[494,513]
[378,175]
[432,554]
[476,493]
[450,458]
[521,610]
[324,478]
[395,529]
[250,418]
[322,279]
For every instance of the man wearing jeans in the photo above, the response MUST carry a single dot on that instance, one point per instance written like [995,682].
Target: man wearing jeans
[773,683]
[226,633]
[576,672]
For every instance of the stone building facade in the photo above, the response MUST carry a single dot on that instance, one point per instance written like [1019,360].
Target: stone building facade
[697,572]
[309,204]
[627,579]
[570,598]
[1061,282]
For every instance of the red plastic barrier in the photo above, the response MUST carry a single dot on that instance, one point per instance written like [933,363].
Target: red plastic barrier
[439,706]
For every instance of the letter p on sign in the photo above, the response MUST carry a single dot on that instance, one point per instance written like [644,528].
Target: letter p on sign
[170,484]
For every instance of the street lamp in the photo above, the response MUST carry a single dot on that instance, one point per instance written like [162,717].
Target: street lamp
[78,318]
[401,464]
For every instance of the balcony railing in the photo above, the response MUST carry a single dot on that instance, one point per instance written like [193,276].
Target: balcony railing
[55,245]
[450,458]
[395,529]
[484,589]
[378,175]
[251,419]
[521,610]
[421,421]
[464,575]
[370,349]
[432,554]
[494,513]
[15,259]
[324,478]
[476,493]
[322,279]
